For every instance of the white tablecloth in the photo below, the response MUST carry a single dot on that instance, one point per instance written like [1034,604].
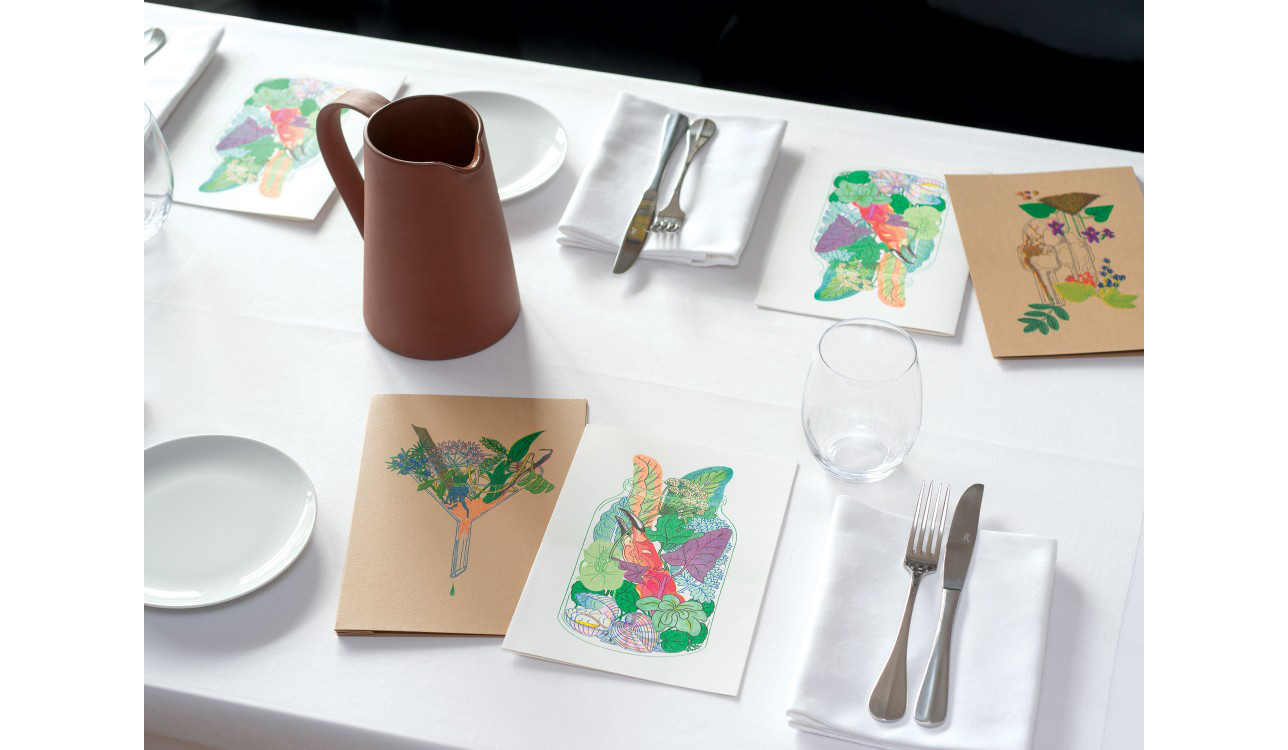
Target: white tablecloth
[253,327]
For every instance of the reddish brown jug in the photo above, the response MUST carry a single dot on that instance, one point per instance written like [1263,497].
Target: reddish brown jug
[438,276]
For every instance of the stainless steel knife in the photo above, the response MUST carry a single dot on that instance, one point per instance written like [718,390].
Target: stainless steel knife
[932,703]
[676,126]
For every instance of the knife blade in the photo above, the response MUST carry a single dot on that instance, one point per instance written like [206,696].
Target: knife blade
[932,702]
[961,537]
[676,126]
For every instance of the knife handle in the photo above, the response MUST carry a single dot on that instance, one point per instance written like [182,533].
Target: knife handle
[932,703]
[676,126]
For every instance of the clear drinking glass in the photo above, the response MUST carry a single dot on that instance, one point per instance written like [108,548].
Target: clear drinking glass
[158,179]
[862,405]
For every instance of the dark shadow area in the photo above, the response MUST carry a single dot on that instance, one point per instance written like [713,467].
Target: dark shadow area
[1037,67]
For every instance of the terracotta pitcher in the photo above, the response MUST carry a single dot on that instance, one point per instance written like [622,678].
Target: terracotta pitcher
[438,278]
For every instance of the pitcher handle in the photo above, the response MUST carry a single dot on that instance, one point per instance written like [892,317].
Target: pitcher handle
[335,152]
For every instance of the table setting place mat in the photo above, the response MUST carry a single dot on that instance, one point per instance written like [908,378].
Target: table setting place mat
[176,65]
[861,238]
[1057,259]
[453,494]
[998,646]
[722,191]
[655,561]
[245,139]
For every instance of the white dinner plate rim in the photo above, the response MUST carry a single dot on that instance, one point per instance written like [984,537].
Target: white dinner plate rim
[299,541]
[535,181]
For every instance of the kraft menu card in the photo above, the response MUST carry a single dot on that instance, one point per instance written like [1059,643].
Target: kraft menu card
[454,493]
[1057,259]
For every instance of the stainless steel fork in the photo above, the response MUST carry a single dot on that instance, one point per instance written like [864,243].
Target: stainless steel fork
[890,696]
[671,218]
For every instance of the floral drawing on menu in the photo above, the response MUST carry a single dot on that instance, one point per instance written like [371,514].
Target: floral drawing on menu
[1056,250]
[653,563]
[468,478]
[879,229]
[271,135]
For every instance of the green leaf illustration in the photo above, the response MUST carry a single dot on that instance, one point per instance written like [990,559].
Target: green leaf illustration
[713,480]
[1031,327]
[521,446]
[698,639]
[1073,291]
[1114,298]
[598,570]
[859,177]
[899,203]
[1060,312]
[1099,213]
[837,283]
[863,194]
[672,532]
[1038,210]
[496,446]
[627,595]
[675,641]
[924,220]
[424,485]
[1041,307]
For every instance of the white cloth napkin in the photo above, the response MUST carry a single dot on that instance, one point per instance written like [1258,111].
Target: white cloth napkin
[721,194]
[169,73]
[998,641]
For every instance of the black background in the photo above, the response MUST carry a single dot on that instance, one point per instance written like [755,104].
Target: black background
[896,57]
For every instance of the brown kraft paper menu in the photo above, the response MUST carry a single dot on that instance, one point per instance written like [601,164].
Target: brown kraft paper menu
[454,493]
[1057,260]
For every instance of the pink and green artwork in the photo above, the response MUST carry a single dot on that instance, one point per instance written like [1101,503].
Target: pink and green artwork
[653,563]
[271,136]
[879,229]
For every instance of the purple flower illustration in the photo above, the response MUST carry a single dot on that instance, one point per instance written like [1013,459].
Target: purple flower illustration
[1107,233]
[1057,228]
[1091,234]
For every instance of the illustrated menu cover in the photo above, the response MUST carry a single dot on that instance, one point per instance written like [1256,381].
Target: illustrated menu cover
[655,560]
[1057,259]
[454,493]
[245,138]
[864,240]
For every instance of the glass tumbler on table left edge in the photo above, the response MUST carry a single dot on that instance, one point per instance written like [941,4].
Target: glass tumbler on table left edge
[158,179]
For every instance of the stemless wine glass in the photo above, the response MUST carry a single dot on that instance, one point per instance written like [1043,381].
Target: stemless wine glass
[862,405]
[158,179]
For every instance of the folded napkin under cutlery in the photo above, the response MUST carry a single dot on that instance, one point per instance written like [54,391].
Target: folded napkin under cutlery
[169,73]
[722,192]
[999,639]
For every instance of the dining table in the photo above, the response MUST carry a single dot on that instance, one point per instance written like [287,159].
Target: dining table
[253,326]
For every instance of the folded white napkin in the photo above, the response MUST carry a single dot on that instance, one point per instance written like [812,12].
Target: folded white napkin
[171,71]
[721,194]
[998,641]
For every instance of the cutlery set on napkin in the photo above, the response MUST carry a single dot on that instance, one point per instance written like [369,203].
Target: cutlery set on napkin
[174,59]
[994,628]
[721,194]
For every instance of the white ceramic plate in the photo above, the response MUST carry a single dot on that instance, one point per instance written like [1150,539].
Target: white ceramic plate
[527,142]
[223,516]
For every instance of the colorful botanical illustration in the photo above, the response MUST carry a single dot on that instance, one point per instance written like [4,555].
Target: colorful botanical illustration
[653,563]
[271,136]
[879,228]
[469,478]
[1056,249]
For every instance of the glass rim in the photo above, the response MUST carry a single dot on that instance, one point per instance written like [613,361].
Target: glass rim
[873,323]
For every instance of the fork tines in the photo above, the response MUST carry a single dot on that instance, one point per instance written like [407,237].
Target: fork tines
[928,523]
